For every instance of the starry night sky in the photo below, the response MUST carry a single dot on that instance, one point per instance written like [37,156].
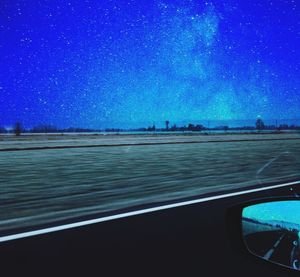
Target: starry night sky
[94,64]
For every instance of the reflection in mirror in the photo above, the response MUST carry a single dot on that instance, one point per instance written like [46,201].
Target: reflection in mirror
[272,231]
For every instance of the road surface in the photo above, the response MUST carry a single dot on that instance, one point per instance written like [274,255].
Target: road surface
[276,246]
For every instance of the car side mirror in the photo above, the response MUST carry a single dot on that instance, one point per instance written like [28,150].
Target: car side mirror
[271,231]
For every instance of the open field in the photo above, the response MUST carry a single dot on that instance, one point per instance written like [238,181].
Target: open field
[104,139]
[38,186]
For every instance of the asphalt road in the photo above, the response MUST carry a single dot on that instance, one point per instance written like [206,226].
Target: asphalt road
[275,246]
[46,185]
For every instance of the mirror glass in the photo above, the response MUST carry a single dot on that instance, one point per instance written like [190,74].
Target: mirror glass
[272,231]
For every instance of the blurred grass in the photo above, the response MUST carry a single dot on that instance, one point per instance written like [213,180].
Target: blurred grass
[43,186]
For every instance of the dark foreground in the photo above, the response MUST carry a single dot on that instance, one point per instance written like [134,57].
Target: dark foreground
[203,239]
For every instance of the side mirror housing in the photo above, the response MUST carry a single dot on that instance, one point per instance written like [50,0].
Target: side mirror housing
[271,231]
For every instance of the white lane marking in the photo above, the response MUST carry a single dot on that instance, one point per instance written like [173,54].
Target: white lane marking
[266,165]
[133,213]
[268,255]
[270,162]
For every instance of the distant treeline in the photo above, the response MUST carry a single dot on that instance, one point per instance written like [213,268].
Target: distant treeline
[259,125]
[197,128]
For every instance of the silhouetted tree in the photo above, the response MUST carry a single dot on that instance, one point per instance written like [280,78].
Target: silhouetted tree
[18,129]
[259,124]
[283,126]
[2,130]
[174,128]
[199,127]
[44,129]
[150,129]
[190,127]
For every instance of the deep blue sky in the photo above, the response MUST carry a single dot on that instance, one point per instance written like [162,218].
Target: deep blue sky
[94,63]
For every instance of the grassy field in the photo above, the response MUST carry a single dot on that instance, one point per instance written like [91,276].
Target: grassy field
[250,228]
[38,186]
[89,139]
